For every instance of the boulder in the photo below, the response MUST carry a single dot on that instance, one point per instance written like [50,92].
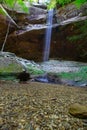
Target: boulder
[78,110]
[9,64]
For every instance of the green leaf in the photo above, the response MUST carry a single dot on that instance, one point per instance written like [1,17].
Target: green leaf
[2,12]
[10,3]
[23,6]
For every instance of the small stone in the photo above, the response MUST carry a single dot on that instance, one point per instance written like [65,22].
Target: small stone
[1,108]
[1,121]
[37,128]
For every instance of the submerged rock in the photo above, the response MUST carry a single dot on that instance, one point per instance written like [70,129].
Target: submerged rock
[48,78]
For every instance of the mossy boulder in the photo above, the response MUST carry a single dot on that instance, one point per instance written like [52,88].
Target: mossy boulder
[9,65]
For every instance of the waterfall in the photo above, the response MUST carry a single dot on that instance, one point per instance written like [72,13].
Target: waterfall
[48,35]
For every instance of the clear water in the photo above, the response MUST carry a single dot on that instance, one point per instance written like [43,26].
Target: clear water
[48,35]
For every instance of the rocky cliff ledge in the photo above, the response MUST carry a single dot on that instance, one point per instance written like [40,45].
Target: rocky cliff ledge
[28,41]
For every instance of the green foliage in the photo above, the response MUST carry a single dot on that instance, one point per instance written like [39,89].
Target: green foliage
[79,2]
[2,12]
[50,5]
[62,2]
[9,3]
[77,37]
[12,3]
[31,1]
[23,6]
[82,32]
[1,1]
[53,3]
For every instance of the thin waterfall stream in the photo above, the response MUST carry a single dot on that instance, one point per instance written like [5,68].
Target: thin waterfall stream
[48,36]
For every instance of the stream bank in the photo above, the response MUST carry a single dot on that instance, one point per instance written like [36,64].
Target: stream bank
[70,73]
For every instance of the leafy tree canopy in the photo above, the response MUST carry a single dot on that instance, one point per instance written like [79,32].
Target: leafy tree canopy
[53,3]
[50,3]
[12,3]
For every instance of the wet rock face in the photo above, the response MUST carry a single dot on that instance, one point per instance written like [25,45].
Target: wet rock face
[3,27]
[30,45]
[29,41]
[30,48]
[4,21]
[63,48]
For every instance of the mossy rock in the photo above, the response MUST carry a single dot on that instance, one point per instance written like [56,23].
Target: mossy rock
[9,65]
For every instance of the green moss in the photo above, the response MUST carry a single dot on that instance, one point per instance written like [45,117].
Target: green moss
[11,68]
[7,77]
[35,70]
[81,74]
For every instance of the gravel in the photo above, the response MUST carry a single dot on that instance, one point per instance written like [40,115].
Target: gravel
[39,106]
